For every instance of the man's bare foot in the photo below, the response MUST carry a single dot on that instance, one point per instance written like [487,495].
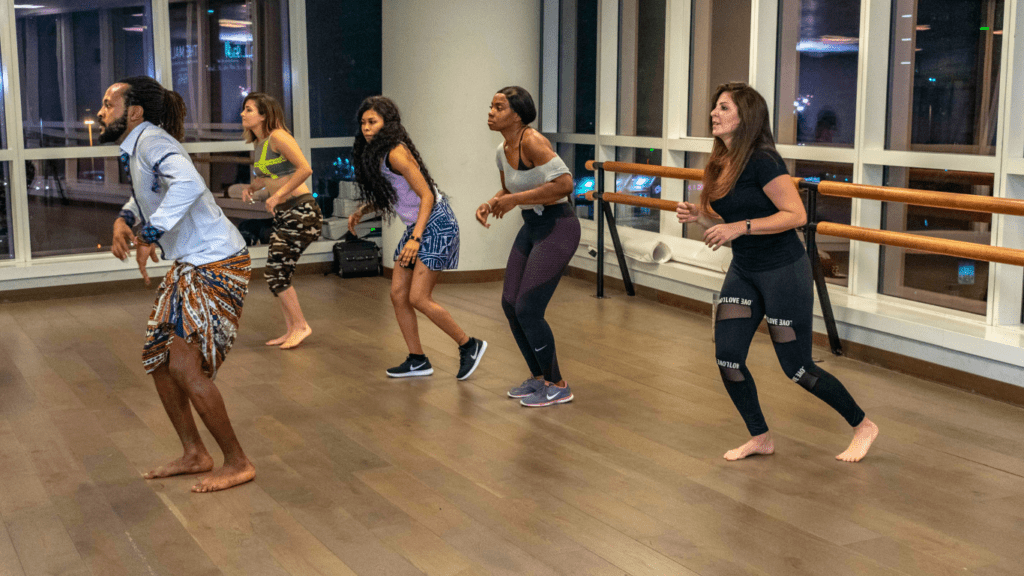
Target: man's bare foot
[863,436]
[760,444]
[279,340]
[189,464]
[226,477]
[295,338]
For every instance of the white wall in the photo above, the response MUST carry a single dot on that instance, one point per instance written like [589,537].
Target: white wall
[442,64]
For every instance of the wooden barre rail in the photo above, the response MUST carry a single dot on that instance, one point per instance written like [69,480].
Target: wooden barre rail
[924,243]
[666,205]
[889,238]
[946,200]
[650,170]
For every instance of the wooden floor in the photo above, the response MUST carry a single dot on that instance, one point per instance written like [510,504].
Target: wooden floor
[361,474]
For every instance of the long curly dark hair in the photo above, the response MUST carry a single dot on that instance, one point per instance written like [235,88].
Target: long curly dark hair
[367,157]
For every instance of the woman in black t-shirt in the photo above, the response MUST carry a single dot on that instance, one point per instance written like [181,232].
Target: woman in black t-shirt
[750,200]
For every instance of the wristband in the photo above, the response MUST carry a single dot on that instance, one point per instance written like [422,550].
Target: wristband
[411,237]
[748,227]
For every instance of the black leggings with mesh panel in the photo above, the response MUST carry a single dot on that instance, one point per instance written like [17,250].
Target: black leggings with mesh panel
[783,296]
[542,249]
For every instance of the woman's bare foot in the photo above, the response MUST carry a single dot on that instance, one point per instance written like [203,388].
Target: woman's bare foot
[760,444]
[295,338]
[863,436]
[188,464]
[226,477]
[279,340]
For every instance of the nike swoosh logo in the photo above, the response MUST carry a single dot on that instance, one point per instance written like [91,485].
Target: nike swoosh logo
[418,367]
[541,348]
[475,352]
[552,396]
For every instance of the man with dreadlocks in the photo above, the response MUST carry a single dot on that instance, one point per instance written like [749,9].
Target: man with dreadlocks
[394,180]
[199,302]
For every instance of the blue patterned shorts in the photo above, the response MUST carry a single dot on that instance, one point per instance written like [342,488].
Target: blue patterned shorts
[439,249]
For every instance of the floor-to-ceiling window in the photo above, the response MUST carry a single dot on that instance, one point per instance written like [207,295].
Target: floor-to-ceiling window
[60,189]
[904,93]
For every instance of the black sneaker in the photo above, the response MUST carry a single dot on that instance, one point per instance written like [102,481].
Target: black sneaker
[411,367]
[470,356]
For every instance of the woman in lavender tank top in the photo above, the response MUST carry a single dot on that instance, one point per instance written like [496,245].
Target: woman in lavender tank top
[394,181]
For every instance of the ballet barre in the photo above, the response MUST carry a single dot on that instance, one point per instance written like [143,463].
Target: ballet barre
[944,200]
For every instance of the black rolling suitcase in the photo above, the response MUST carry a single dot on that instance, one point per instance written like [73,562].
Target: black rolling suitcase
[355,258]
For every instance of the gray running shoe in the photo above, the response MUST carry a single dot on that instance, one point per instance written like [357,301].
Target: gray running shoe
[528,387]
[547,396]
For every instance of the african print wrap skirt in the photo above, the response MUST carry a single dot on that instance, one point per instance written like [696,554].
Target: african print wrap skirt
[201,304]
[439,249]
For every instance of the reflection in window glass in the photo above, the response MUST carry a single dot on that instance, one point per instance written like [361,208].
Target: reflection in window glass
[68,57]
[691,192]
[221,50]
[344,42]
[334,181]
[940,280]
[575,157]
[3,115]
[6,227]
[577,66]
[833,252]
[719,53]
[817,71]
[944,75]
[634,185]
[641,67]
[73,203]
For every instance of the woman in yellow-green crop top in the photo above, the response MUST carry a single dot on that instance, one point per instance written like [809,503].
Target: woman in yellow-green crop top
[280,172]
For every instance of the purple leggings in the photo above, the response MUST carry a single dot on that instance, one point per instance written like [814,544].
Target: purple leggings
[540,253]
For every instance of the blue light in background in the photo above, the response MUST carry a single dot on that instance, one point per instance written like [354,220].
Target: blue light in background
[965,274]
[641,183]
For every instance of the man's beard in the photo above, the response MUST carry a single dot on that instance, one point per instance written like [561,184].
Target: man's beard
[113,131]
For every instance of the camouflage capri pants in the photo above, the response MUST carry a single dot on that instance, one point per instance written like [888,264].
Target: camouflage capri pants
[294,230]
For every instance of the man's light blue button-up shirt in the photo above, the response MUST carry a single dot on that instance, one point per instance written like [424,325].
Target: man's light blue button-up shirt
[172,202]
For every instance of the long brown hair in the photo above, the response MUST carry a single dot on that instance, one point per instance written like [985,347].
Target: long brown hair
[272,112]
[754,133]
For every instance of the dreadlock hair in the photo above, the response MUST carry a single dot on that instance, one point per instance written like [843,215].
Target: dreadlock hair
[162,107]
[270,109]
[754,133]
[374,188]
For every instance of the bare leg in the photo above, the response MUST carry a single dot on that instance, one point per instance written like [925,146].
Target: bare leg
[185,367]
[196,458]
[288,322]
[298,329]
[863,436]
[401,280]
[421,298]
[760,444]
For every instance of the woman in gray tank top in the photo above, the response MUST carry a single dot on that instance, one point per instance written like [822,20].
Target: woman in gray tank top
[536,180]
